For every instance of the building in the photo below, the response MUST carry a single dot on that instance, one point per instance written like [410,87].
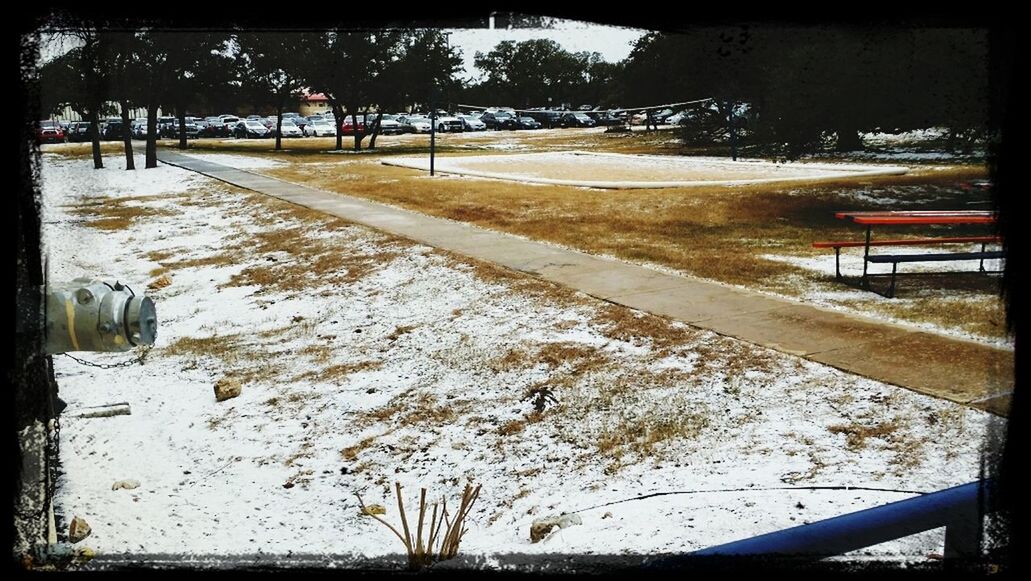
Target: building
[314,104]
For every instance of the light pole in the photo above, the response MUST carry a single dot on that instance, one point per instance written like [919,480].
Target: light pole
[433,124]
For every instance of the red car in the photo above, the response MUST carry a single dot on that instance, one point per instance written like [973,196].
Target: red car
[50,132]
[347,127]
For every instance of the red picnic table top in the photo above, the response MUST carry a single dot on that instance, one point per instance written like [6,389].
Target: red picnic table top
[920,217]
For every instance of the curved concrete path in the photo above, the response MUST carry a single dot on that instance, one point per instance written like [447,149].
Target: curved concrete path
[961,371]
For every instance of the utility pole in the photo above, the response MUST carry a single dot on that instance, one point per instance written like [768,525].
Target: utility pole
[433,124]
[730,127]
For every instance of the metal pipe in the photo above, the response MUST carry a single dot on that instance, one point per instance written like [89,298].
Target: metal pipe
[958,509]
[93,315]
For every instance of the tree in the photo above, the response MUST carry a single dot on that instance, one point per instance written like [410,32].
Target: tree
[422,70]
[78,79]
[348,67]
[805,84]
[123,72]
[273,70]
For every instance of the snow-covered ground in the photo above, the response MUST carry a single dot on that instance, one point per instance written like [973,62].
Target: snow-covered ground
[367,359]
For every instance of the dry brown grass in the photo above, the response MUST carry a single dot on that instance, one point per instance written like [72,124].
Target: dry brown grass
[639,436]
[857,434]
[512,427]
[623,324]
[580,358]
[224,347]
[351,452]
[117,214]
[426,410]
[335,373]
[400,330]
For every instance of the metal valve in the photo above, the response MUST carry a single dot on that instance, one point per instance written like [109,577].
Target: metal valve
[93,315]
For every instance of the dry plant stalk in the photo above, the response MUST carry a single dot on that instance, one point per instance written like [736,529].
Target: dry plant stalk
[422,554]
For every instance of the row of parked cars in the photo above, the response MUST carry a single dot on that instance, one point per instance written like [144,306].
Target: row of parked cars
[295,125]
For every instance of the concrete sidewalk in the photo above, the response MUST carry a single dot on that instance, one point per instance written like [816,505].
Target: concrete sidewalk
[962,371]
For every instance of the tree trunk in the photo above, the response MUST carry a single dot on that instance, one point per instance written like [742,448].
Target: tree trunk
[848,139]
[152,136]
[950,140]
[338,117]
[181,116]
[127,135]
[375,130]
[357,134]
[94,131]
[279,125]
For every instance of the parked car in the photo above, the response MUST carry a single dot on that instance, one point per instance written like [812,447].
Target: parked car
[50,132]
[138,126]
[676,118]
[604,118]
[499,120]
[658,117]
[167,128]
[472,123]
[113,129]
[348,127]
[287,129]
[527,122]
[419,123]
[576,119]
[546,118]
[388,124]
[214,127]
[449,124]
[249,128]
[78,132]
[320,128]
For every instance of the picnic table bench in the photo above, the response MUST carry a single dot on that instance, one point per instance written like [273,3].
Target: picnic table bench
[913,217]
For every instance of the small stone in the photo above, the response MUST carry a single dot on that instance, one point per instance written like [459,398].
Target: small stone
[227,388]
[373,509]
[159,282]
[543,526]
[297,319]
[78,530]
[288,484]
[125,484]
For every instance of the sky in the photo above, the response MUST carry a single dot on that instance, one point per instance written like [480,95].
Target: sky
[613,43]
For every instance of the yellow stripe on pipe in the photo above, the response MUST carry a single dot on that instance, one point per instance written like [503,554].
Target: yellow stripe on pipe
[69,310]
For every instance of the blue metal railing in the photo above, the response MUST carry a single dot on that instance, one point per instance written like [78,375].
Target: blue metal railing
[958,509]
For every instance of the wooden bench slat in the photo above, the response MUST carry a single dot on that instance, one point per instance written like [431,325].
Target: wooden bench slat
[896,258]
[914,241]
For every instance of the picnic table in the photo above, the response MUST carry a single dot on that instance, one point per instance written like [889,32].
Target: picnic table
[869,219]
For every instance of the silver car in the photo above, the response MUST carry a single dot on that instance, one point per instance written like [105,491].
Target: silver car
[289,129]
[320,128]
